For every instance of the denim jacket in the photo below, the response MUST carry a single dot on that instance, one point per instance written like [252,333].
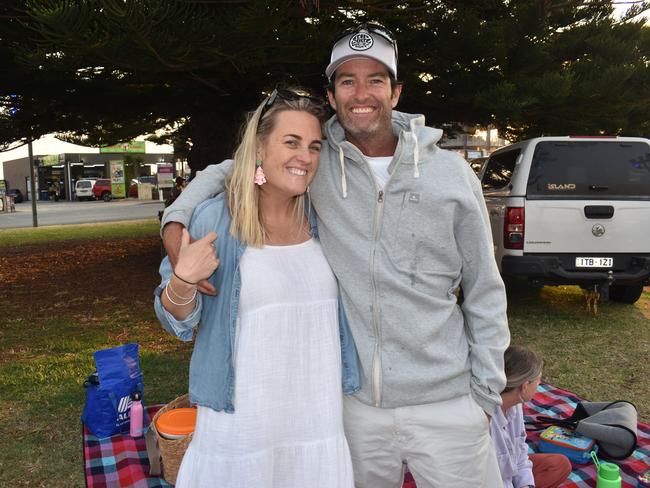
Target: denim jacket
[212,371]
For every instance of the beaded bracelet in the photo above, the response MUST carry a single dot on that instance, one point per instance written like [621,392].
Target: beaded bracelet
[188,282]
[176,303]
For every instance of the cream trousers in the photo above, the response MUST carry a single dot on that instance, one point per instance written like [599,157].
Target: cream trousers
[445,445]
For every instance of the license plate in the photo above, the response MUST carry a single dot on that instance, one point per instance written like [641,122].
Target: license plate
[594,262]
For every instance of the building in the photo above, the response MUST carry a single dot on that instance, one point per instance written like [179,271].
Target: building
[60,164]
[479,144]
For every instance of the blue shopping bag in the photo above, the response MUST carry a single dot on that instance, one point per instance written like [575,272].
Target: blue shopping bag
[108,391]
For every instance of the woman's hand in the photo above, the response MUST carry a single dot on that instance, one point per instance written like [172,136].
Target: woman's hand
[196,260]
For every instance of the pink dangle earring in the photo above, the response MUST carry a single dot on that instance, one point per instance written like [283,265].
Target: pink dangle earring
[260,178]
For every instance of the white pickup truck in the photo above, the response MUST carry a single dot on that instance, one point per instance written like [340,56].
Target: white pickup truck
[573,210]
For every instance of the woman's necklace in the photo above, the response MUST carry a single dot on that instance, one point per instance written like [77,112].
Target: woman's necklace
[289,233]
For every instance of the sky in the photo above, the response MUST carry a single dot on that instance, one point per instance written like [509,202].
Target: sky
[622,5]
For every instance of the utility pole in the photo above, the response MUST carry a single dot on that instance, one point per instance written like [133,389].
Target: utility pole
[32,184]
[488,141]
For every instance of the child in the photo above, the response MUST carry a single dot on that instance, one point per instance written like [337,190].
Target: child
[523,369]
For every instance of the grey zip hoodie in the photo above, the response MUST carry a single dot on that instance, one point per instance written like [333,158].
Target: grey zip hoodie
[399,254]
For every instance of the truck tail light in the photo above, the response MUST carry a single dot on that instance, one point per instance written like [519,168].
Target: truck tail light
[513,228]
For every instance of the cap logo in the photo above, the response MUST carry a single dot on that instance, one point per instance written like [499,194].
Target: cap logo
[361,41]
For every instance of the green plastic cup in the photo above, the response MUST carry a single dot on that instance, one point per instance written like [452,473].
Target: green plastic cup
[609,476]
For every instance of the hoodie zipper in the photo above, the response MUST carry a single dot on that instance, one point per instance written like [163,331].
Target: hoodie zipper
[376,363]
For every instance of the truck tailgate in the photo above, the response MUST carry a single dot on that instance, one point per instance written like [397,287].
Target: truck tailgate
[562,226]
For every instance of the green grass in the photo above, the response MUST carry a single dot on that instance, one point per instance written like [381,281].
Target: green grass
[41,377]
[599,358]
[58,233]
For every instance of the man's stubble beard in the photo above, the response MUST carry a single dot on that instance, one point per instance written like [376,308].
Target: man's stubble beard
[384,122]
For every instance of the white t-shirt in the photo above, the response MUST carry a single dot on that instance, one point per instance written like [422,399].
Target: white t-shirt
[379,167]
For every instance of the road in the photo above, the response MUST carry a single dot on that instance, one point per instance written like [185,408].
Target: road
[63,212]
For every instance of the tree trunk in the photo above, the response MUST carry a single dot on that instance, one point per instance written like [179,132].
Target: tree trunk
[214,138]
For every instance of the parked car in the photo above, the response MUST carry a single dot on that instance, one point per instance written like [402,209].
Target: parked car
[84,189]
[152,180]
[16,194]
[102,189]
[133,188]
[573,210]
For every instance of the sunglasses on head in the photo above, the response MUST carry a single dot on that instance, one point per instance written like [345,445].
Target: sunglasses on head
[372,28]
[287,95]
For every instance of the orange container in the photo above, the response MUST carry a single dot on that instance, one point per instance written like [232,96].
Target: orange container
[176,423]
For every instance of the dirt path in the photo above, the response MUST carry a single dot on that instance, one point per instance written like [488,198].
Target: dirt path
[77,276]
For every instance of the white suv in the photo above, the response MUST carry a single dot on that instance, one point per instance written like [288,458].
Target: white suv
[573,210]
[84,189]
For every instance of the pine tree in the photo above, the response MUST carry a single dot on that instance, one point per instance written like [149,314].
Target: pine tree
[108,70]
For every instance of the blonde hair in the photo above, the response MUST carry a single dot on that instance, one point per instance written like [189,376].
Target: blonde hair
[521,365]
[242,194]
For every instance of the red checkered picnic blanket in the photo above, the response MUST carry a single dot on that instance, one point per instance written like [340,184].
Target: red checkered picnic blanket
[121,461]
[555,402]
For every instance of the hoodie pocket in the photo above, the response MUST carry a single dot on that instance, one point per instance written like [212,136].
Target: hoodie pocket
[424,249]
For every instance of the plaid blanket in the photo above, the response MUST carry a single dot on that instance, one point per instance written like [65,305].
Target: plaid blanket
[121,461]
[554,402]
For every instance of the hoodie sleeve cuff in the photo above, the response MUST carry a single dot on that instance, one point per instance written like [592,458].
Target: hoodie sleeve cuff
[182,217]
[486,398]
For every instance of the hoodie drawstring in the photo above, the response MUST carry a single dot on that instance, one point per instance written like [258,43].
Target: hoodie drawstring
[344,182]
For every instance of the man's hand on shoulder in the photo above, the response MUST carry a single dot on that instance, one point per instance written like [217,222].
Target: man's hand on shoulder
[172,236]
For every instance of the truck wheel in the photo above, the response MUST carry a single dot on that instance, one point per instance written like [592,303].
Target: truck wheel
[625,293]
[107,196]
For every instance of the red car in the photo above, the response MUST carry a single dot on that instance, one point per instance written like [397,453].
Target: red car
[102,189]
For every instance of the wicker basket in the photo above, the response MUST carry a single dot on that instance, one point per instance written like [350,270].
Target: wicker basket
[171,450]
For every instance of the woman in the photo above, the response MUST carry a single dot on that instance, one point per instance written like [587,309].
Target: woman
[272,346]
[523,369]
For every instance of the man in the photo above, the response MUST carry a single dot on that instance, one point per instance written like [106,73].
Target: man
[403,224]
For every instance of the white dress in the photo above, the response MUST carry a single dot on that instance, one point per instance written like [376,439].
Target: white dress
[287,429]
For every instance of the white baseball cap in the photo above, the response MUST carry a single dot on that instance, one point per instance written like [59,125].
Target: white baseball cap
[365,41]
